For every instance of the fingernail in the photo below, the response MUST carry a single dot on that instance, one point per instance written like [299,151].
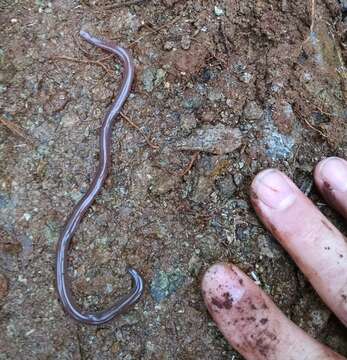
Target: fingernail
[272,189]
[334,172]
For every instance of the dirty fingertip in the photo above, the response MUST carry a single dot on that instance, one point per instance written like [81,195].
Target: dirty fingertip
[332,172]
[221,283]
[331,179]
[239,309]
[251,322]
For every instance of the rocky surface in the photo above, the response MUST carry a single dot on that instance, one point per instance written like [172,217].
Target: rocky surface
[176,201]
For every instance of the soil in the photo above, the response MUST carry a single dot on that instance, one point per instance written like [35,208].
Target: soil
[268,74]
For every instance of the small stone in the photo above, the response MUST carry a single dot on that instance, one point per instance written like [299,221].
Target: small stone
[240,204]
[307,77]
[163,184]
[252,111]
[203,189]
[12,248]
[284,117]
[148,79]
[166,283]
[188,123]
[278,146]
[115,347]
[131,318]
[208,116]
[194,265]
[169,45]
[51,231]
[276,87]
[159,77]
[4,201]
[215,95]
[101,93]
[70,120]
[185,42]
[238,179]
[267,247]
[56,102]
[170,3]
[193,102]
[217,139]
[206,75]
[227,186]
[209,246]
[218,11]
[3,287]
[243,232]
[188,61]
[27,216]
[246,77]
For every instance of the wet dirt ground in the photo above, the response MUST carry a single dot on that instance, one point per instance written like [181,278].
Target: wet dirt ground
[222,90]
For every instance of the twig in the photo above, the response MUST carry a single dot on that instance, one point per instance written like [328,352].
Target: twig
[125,117]
[314,128]
[310,125]
[189,167]
[95,62]
[15,129]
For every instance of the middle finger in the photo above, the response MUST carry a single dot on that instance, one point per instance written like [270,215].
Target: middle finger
[314,243]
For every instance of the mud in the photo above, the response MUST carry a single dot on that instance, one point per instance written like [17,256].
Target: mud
[262,69]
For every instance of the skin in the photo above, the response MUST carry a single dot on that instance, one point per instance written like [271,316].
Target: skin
[246,316]
[73,220]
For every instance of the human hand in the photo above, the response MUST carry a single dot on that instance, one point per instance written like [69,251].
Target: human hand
[246,316]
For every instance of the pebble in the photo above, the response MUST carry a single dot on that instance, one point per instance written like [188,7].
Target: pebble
[215,95]
[203,189]
[188,122]
[148,78]
[10,247]
[162,184]
[170,3]
[56,102]
[70,120]
[227,186]
[194,265]
[267,247]
[159,77]
[169,45]
[252,111]
[218,11]
[278,146]
[3,287]
[193,102]
[206,75]
[4,201]
[246,77]
[219,139]
[166,283]
[189,61]
[238,179]
[284,117]
[185,42]
[27,216]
